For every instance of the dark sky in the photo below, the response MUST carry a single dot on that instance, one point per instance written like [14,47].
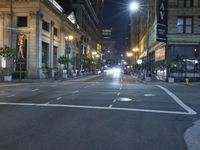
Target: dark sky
[116,15]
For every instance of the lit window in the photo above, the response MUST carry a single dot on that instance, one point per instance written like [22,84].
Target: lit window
[180,25]
[184,25]
[188,25]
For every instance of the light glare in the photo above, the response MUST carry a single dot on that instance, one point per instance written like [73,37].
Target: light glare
[134,6]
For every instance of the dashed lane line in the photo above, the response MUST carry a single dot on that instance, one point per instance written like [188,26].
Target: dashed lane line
[34,90]
[74,92]
[118,93]
[114,100]
[11,95]
[58,98]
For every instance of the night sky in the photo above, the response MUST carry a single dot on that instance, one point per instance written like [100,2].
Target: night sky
[116,15]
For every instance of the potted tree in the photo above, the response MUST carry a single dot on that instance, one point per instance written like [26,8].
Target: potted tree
[169,65]
[75,61]
[10,54]
[63,61]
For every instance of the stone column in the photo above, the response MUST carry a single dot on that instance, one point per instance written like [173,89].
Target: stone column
[35,46]
[1,29]
[62,39]
[51,44]
[7,30]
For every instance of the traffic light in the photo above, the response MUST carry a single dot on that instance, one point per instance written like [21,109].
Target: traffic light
[196,53]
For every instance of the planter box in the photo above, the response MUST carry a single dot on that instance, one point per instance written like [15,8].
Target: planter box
[148,79]
[7,78]
[171,80]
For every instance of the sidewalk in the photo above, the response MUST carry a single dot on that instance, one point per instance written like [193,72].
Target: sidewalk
[44,80]
[155,81]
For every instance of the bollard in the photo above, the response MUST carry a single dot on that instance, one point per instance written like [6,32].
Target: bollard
[186,81]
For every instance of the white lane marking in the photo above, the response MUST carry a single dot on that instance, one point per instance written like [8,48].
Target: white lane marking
[34,90]
[74,92]
[86,86]
[58,98]
[124,99]
[114,100]
[7,85]
[120,88]
[149,95]
[118,93]
[47,103]
[110,106]
[10,95]
[178,101]
[97,107]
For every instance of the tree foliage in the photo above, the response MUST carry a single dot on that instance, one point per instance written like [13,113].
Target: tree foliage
[63,60]
[8,53]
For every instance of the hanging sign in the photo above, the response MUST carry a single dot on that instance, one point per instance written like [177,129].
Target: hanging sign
[162,17]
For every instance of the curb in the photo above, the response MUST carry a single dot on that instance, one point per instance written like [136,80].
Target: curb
[192,136]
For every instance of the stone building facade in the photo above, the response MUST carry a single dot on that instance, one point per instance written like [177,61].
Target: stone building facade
[183,38]
[43,28]
[88,14]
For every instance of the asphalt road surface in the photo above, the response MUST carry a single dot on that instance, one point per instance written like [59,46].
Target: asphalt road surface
[110,111]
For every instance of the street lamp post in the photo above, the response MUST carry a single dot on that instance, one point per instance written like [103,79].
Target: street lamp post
[68,51]
[129,55]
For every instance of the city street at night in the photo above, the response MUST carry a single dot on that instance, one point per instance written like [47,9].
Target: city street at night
[110,111]
[99,74]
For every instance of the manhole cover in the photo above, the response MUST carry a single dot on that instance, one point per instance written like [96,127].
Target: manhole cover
[149,95]
[124,99]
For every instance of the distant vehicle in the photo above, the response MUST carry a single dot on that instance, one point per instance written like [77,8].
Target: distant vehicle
[96,72]
[127,72]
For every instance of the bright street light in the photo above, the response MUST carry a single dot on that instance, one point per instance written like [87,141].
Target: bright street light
[135,49]
[69,38]
[129,54]
[134,6]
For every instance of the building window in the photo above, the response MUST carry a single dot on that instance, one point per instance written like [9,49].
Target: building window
[45,54]
[198,24]
[180,3]
[55,32]
[185,3]
[55,49]
[22,21]
[184,25]
[45,26]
